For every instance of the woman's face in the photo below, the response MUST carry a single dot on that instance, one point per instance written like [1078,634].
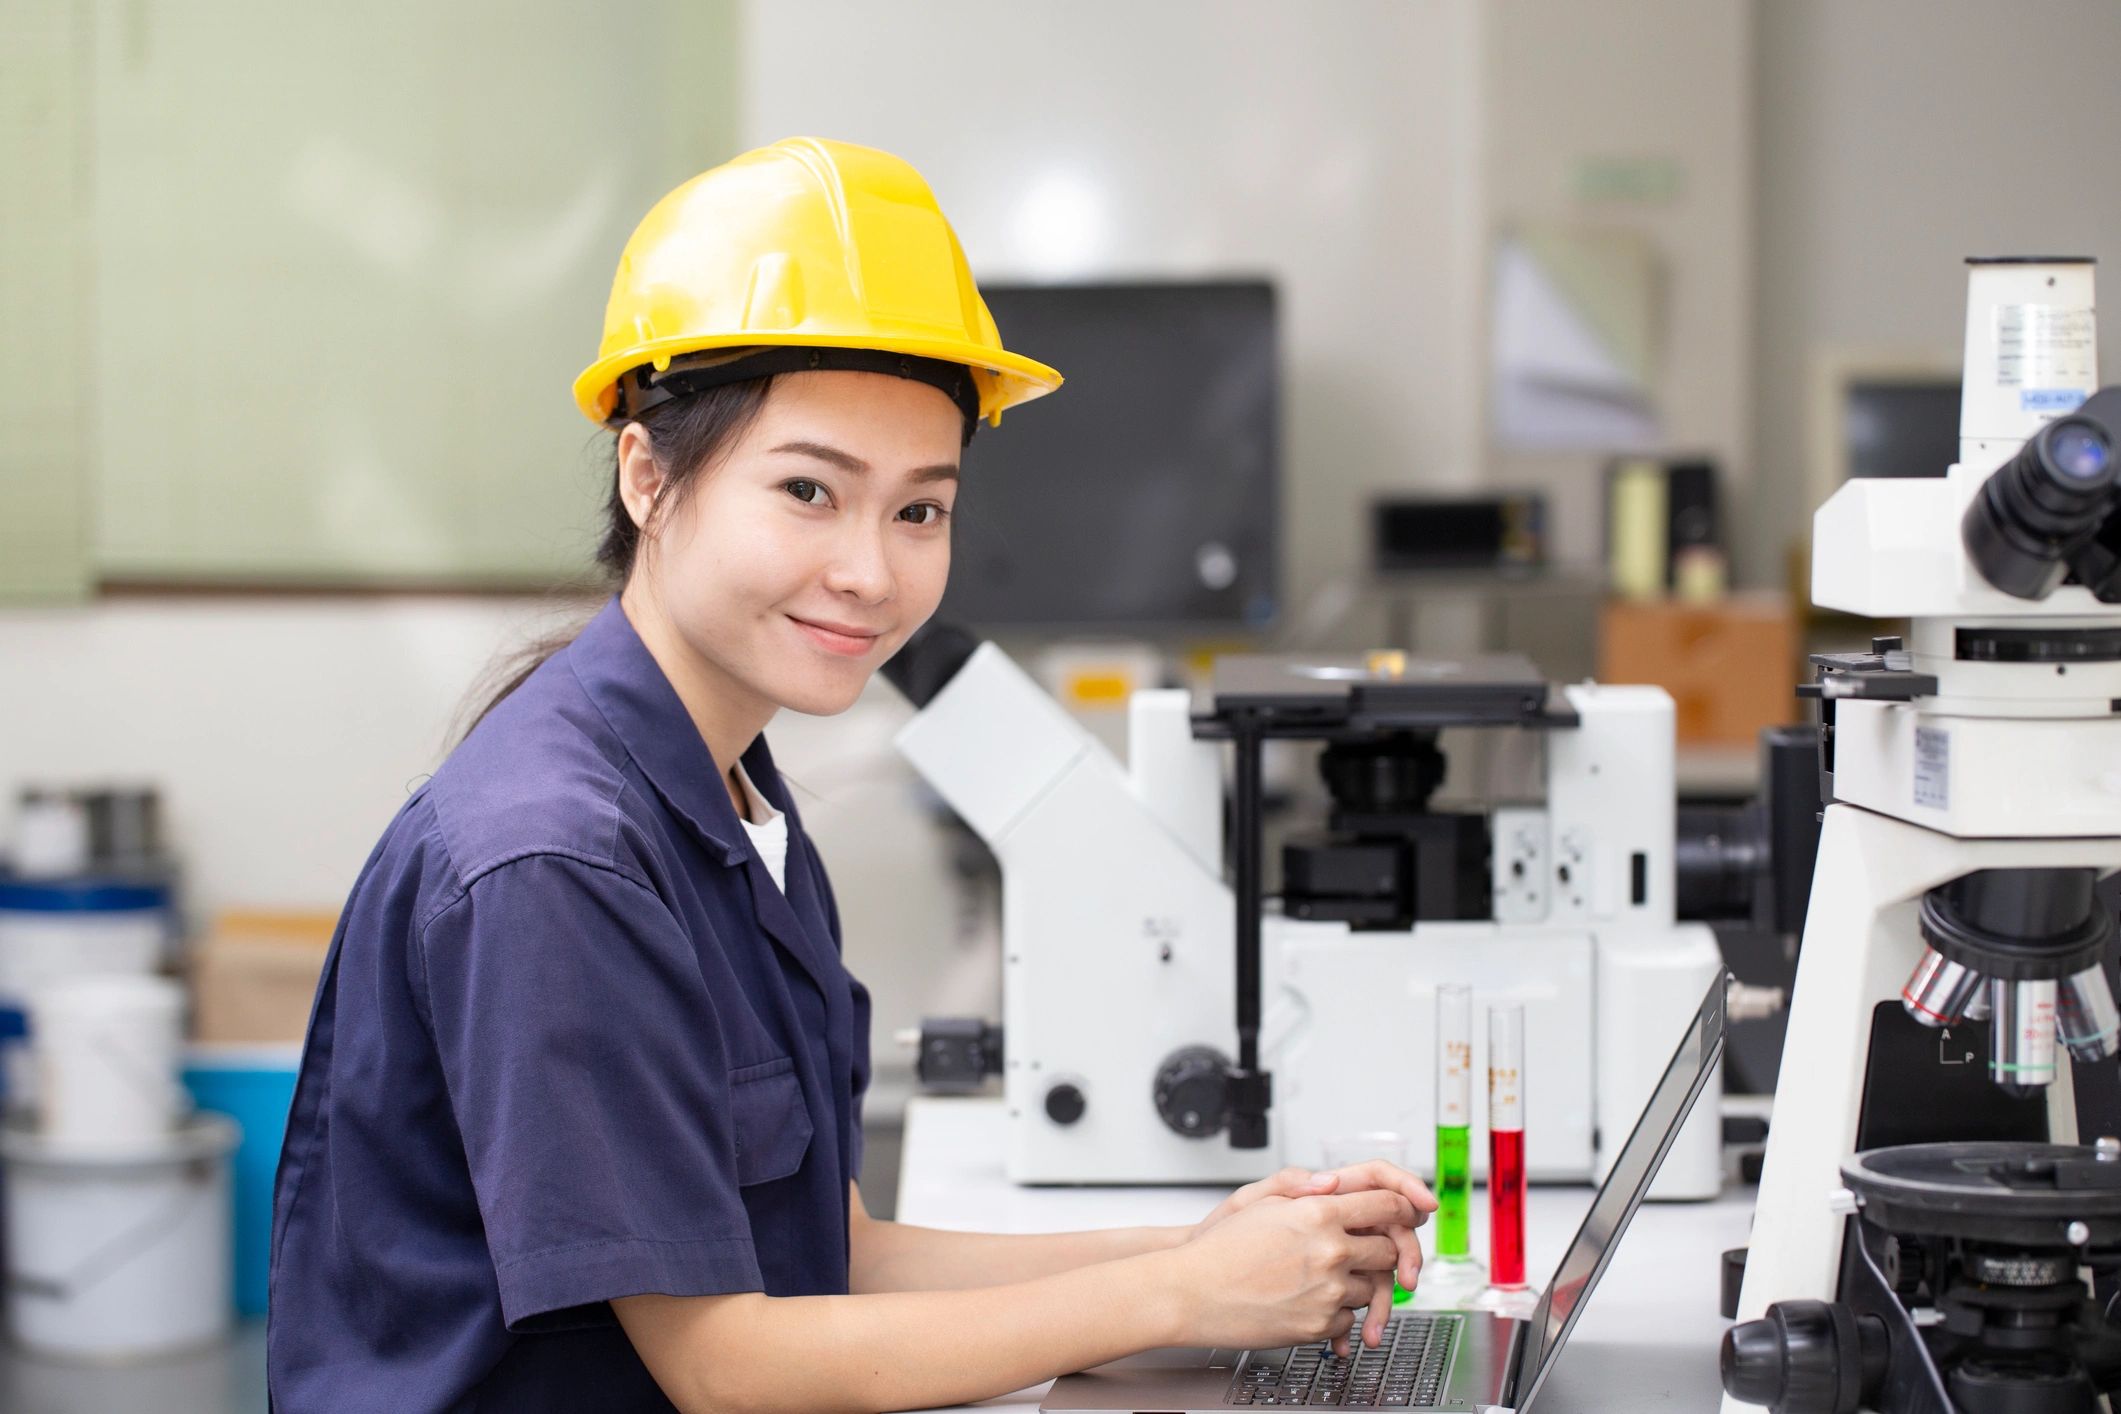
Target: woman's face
[799,563]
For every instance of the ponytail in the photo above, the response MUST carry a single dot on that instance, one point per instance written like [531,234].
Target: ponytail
[687,436]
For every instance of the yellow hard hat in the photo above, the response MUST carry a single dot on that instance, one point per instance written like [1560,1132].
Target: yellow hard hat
[806,244]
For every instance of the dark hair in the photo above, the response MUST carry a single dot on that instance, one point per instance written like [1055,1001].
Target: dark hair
[686,435]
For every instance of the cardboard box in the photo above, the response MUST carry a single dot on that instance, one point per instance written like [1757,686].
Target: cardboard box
[254,977]
[1732,666]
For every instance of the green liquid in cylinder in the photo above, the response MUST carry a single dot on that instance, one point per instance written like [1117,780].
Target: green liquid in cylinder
[1453,1189]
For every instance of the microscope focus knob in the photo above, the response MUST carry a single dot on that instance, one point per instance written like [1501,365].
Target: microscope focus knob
[1192,1091]
[1064,1103]
[1803,1357]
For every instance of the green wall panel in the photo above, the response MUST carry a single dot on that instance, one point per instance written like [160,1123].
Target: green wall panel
[347,260]
[43,302]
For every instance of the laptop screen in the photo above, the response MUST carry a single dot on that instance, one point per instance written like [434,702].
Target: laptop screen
[1621,1194]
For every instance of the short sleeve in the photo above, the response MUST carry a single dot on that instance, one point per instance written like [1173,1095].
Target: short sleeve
[585,1068]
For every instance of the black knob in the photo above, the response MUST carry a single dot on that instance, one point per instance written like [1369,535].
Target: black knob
[1803,1357]
[1064,1103]
[1733,1267]
[1192,1091]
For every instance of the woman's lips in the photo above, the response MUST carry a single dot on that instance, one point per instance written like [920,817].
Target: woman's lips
[836,640]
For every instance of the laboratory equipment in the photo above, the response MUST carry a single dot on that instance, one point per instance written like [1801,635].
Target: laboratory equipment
[1964,1288]
[1664,528]
[1501,533]
[1163,1024]
[1454,1125]
[1506,1147]
[1460,1360]
[1506,1290]
[1970,771]
[1150,495]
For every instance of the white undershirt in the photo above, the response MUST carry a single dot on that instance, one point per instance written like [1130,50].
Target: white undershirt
[768,829]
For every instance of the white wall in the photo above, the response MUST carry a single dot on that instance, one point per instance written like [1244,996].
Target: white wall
[283,733]
[1656,81]
[1897,137]
[1332,147]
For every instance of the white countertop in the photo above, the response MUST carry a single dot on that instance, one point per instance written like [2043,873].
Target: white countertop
[1647,1340]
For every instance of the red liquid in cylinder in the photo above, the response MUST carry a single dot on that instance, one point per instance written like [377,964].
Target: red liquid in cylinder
[1506,1207]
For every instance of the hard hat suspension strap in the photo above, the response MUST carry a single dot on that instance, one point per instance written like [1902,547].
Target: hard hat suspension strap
[643,388]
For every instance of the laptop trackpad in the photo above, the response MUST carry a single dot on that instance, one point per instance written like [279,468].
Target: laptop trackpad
[1177,1357]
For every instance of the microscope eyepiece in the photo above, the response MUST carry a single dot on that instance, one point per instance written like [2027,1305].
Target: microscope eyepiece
[2040,505]
[2080,452]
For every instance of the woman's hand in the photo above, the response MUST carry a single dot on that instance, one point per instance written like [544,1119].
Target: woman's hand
[1391,1178]
[1281,1271]
[1289,1183]
[1374,1176]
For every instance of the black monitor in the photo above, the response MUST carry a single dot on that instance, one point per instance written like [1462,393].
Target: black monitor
[1901,426]
[1145,493]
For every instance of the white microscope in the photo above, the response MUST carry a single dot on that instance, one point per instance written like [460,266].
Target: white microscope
[1163,1025]
[1926,1212]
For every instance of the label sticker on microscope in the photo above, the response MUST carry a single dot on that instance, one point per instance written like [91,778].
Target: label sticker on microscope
[2044,346]
[1933,761]
[2055,400]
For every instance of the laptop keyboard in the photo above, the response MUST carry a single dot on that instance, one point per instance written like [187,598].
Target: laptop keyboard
[1406,1370]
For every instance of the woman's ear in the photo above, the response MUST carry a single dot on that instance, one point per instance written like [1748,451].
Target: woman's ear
[641,478]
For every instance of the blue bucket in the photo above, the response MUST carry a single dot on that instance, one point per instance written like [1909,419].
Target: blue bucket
[255,1084]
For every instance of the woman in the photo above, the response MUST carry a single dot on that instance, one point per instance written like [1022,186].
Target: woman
[578,1125]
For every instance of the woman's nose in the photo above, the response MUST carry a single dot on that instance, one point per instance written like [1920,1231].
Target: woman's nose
[861,566]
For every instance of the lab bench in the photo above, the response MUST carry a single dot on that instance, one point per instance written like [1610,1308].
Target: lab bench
[1647,1340]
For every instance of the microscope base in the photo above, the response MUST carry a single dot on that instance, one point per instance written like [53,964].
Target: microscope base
[1861,940]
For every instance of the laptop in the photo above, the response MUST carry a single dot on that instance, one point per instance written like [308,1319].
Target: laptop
[1469,1362]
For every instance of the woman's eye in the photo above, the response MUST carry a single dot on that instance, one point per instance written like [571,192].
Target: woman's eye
[926,513]
[810,493]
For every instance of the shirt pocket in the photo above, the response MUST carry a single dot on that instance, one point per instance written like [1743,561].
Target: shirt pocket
[773,1128]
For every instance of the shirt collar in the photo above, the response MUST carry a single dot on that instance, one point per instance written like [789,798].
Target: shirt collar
[629,687]
[755,803]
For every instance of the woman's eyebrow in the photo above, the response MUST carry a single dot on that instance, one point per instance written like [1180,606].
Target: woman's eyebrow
[848,461]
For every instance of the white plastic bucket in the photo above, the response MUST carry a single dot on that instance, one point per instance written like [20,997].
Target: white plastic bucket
[120,1255]
[41,948]
[52,930]
[107,1051]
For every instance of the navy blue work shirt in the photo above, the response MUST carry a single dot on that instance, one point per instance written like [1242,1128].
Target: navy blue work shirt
[571,1043]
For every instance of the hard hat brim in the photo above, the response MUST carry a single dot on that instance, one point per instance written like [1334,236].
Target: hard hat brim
[1004,379]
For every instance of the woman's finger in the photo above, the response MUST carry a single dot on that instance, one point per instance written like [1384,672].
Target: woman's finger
[1377,1252]
[1373,1325]
[1300,1183]
[1376,1173]
[1407,1246]
[1374,1208]
[1285,1183]
[1343,1322]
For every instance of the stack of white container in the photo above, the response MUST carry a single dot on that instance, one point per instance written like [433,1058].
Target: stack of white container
[117,1195]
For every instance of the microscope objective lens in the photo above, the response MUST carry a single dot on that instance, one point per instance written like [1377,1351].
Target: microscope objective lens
[2022,1041]
[2086,1017]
